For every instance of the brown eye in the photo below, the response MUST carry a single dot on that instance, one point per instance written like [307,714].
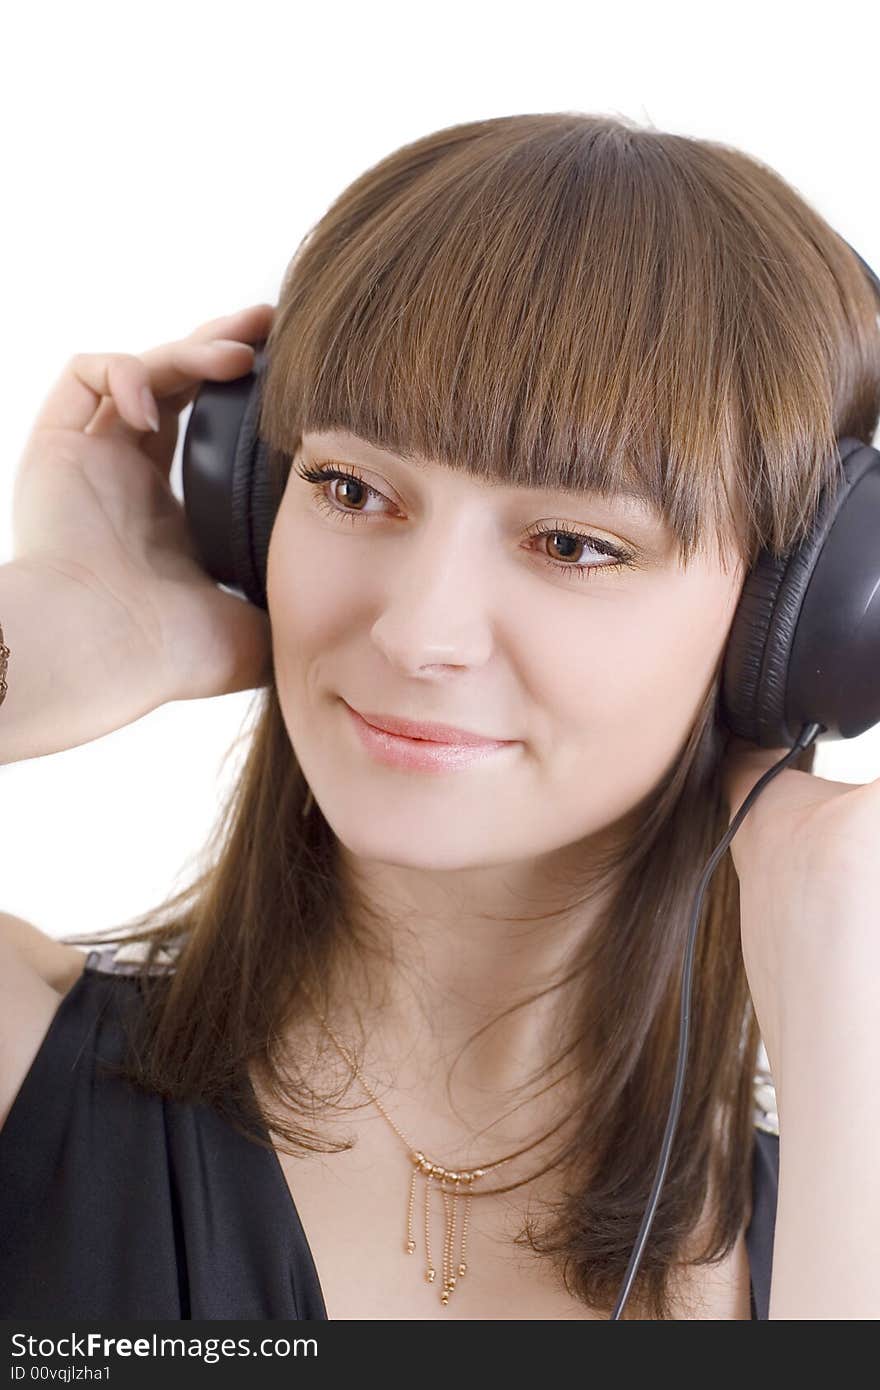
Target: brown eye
[352,486]
[324,477]
[573,547]
[569,547]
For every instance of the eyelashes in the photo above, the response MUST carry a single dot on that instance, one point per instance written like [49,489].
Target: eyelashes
[617,558]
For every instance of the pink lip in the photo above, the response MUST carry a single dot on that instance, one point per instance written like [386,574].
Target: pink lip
[422,754]
[433,733]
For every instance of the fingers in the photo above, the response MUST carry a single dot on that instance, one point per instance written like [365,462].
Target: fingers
[173,380]
[250,323]
[85,381]
[113,383]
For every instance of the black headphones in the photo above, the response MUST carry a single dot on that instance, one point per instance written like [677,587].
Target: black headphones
[803,653]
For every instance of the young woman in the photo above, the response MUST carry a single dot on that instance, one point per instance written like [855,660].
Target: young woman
[539,389]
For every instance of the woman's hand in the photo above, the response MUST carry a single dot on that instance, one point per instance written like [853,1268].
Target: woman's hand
[807,860]
[93,507]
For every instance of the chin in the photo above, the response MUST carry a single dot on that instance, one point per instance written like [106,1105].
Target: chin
[393,840]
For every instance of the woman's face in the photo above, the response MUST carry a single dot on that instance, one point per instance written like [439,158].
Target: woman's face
[433,598]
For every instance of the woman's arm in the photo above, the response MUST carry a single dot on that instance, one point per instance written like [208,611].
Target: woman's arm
[809,881]
[826,1256]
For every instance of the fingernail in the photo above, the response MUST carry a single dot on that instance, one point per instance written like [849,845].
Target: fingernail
[149,407]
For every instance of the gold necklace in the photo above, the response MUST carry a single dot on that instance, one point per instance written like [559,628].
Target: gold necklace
[429,1171]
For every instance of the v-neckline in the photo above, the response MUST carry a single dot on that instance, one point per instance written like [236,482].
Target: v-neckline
[92,967]
[293,1213]
[281,1179]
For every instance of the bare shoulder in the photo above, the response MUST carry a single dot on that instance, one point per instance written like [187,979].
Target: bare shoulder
[35,974]
[57,965]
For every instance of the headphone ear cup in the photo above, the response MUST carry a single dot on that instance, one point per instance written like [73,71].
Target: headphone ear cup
[804,645]
[229,501]
[755,677]
[258,512]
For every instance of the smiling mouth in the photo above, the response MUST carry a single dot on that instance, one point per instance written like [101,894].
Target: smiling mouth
[427,732]
[420,754]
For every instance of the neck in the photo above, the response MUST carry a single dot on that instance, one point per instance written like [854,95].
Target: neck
[455,1000]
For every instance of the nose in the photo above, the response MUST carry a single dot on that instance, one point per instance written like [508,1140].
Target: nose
[438,609]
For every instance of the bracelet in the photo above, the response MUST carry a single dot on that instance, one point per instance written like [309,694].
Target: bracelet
[4,660]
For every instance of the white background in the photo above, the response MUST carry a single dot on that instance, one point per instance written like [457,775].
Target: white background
[161,164]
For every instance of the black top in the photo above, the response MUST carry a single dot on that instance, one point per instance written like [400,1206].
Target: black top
[119,1204]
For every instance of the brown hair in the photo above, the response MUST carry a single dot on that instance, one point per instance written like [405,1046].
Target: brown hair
[559,300]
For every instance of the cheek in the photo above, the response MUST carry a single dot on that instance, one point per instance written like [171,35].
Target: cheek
[619,698]
[309,592]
